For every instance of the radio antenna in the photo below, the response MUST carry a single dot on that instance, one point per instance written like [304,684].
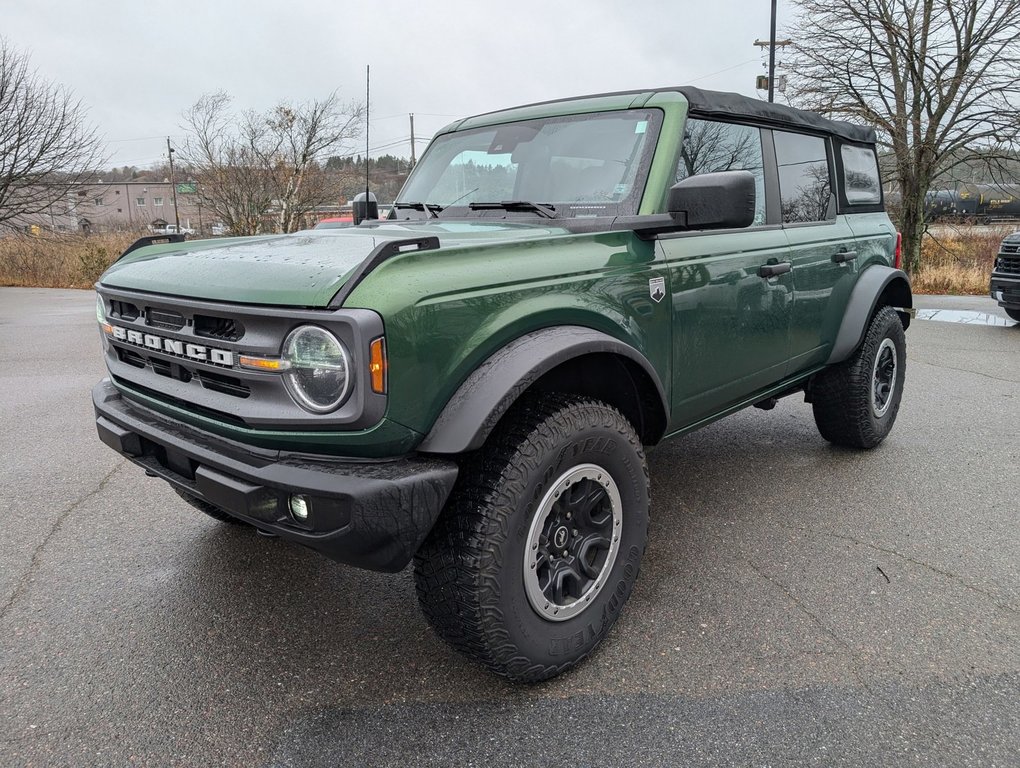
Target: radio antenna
[368,87]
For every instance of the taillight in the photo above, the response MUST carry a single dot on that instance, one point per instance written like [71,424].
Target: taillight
[898,256]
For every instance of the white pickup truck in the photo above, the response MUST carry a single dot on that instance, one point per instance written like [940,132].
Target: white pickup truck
[172,229]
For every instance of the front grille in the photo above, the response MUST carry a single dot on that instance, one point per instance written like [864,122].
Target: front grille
[228,385]
[186,352]
[170,370]
[185,404]
[223,328]
[130,357]
[124,310]
[164,318]
[1010,248]
[1009,265]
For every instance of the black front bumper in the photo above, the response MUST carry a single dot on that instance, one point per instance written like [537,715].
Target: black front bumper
[371,514]
[1005,289]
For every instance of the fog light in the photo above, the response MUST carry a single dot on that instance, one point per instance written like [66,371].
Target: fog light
[299,507]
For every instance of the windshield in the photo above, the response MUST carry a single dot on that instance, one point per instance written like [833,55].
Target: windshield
[579,165]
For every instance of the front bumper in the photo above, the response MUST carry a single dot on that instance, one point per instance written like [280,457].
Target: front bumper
[371,514]
[1006,290]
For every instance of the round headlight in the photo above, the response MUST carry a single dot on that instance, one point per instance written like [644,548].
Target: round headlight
[319,375]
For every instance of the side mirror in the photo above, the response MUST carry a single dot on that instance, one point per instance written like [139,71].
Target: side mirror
[724,200]
[364,206]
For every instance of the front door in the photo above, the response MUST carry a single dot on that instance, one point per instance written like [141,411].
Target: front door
[731,290]
[730,323]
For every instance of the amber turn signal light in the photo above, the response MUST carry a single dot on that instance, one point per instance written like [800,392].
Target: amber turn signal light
[377,365]
[263,363]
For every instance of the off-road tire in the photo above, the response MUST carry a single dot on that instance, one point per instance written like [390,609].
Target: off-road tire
[209,509]
[470,572]
[842,395]
[1013,312]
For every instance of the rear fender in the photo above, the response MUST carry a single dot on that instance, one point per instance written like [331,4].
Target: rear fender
[877,286]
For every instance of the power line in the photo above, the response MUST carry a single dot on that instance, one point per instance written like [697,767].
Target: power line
[145,138]
[719,72]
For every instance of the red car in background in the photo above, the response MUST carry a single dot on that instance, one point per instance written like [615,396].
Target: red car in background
[336,222]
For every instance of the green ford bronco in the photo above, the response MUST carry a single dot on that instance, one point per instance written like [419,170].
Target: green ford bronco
[470,384]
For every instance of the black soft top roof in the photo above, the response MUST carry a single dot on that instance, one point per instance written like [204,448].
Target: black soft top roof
[719,104]
[722,105]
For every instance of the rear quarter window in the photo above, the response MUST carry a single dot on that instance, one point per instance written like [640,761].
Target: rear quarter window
[861,182]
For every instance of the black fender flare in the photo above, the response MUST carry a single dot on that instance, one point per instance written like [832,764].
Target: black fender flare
[490,390]
[872,283]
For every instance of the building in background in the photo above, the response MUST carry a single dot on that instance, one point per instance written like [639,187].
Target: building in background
[131,206]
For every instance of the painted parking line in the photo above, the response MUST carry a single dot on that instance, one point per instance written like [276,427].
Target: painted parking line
[963,316]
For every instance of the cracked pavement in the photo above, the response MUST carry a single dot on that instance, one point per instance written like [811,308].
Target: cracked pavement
[798,603]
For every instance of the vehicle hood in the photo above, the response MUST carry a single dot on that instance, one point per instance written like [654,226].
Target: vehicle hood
[304,269]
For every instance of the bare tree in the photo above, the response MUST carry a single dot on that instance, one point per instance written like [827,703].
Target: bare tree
[251,164]
[47,146]
[226,158]
[940,79]
[306,133]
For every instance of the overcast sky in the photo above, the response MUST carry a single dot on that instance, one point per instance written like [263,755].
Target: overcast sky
[137,65]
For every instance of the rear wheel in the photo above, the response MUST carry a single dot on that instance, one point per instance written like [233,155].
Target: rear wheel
[539,547]
[855,402]
[204,506]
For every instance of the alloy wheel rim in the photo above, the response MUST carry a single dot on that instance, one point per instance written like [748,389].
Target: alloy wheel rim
[883,378]
[573,542]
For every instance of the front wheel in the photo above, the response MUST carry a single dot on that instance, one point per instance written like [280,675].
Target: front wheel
[1013,312]
[855,402]
[539,547]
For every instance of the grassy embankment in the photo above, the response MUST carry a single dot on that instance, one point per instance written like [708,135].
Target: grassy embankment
[958,260]
[59,261]
[954,260]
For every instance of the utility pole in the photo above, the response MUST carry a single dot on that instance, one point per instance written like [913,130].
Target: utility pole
[412,139]
[173,185]
[772,54]
[772,43]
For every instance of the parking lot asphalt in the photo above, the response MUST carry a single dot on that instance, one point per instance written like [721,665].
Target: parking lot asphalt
[798,603]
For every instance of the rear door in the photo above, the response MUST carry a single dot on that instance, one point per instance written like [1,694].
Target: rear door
[821,244]
[860,197]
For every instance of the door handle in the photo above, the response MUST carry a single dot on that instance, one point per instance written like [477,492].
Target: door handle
[844,256]
[771,270]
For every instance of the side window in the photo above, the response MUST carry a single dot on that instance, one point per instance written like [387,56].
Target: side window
[804,185]
[861,181]
[709,147]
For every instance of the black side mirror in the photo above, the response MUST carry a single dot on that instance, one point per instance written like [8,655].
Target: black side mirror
[724,200]
[364,206]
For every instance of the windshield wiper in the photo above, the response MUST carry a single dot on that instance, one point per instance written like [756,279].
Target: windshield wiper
[431,209]
[548,211]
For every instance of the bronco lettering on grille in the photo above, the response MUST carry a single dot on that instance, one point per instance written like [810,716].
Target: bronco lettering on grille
[184,349]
